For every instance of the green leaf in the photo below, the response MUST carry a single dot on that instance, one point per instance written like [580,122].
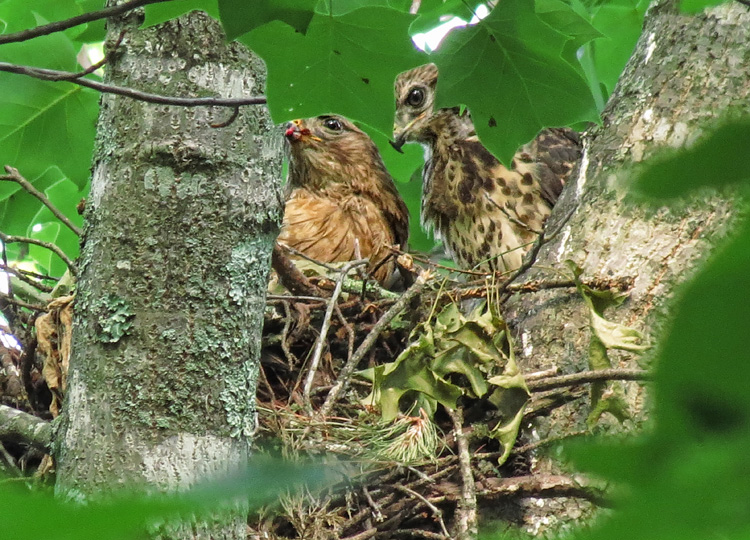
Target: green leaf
[621,22]
[456,355]
[562,17]
[346,64]
[159,13]
[64,195]
[239,16]
[131,514]
[509,70]
[47,261]
[711,162]
[19,15]
[93,31]
[687,478]
[42,123]
[433,14]
[694,6]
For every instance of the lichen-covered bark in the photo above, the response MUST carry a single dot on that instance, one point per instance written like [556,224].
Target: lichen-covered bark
[168,313]
[685,71]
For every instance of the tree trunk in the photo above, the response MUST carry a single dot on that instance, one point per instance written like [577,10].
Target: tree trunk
[685,71]
[179,228]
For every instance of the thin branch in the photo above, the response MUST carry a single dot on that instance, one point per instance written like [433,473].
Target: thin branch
[551,372]
[574,379]
[6,298]
[292,298]
[425,260]
[552,485]
[434,509]
[550,440]
[228,121]
[290,276]
[466,513]
[510,217]
[346,372]
[14,176]
[318,351]
[302,255]
[26,279]
[93,67]
[9,239]
[68,76]
[24,427]
[531,256]
[59,26]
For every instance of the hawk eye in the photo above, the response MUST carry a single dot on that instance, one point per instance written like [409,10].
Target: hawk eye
[415,98]
[332,124]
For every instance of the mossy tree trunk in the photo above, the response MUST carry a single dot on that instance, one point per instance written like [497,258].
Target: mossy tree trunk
[180,223]
[685,72]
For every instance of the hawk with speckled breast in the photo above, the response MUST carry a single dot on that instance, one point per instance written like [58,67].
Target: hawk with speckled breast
[487,215]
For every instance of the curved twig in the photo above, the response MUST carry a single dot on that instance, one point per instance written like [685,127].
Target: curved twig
[15,176]
[59,26]
[68,76]
[9,239]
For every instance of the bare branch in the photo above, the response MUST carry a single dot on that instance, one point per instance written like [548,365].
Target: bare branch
[290,276]
[68,76]
[24,427]
[14,176]
[59,26]
[466,513]
[544,238]
[574,379]
[318,351]
[7,299]
[369,341]
[8,239]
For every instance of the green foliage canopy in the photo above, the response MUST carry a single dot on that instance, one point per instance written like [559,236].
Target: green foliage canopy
[322,57]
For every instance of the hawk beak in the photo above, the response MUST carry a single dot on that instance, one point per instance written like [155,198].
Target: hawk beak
[399,139]
[293,131]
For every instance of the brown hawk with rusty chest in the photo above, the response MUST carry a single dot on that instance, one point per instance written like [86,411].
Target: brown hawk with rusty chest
[487,215]
[341,202]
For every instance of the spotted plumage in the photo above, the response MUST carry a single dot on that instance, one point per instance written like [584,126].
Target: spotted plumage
[341,202]
[487,215]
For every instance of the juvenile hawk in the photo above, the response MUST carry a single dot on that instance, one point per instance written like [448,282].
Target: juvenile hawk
[341,202]
[486,214]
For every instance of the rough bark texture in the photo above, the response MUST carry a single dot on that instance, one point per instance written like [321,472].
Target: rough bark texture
[684,72]
[179,228]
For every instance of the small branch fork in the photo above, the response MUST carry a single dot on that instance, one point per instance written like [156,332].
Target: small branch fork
[14,176]
[346,372]
[9,239]
[322,338]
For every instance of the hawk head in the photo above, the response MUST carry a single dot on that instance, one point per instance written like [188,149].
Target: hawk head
[415,101]
[329,149]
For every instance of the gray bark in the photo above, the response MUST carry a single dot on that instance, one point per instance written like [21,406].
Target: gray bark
[180,223]
[685,71]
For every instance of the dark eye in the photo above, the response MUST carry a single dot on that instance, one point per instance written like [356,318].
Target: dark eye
[332,124]
[415,98]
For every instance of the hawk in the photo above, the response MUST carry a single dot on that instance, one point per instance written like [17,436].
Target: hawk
[487,215]
[341,202]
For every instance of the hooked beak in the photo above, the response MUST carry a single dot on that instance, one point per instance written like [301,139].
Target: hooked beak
[294,130]
[398,143]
